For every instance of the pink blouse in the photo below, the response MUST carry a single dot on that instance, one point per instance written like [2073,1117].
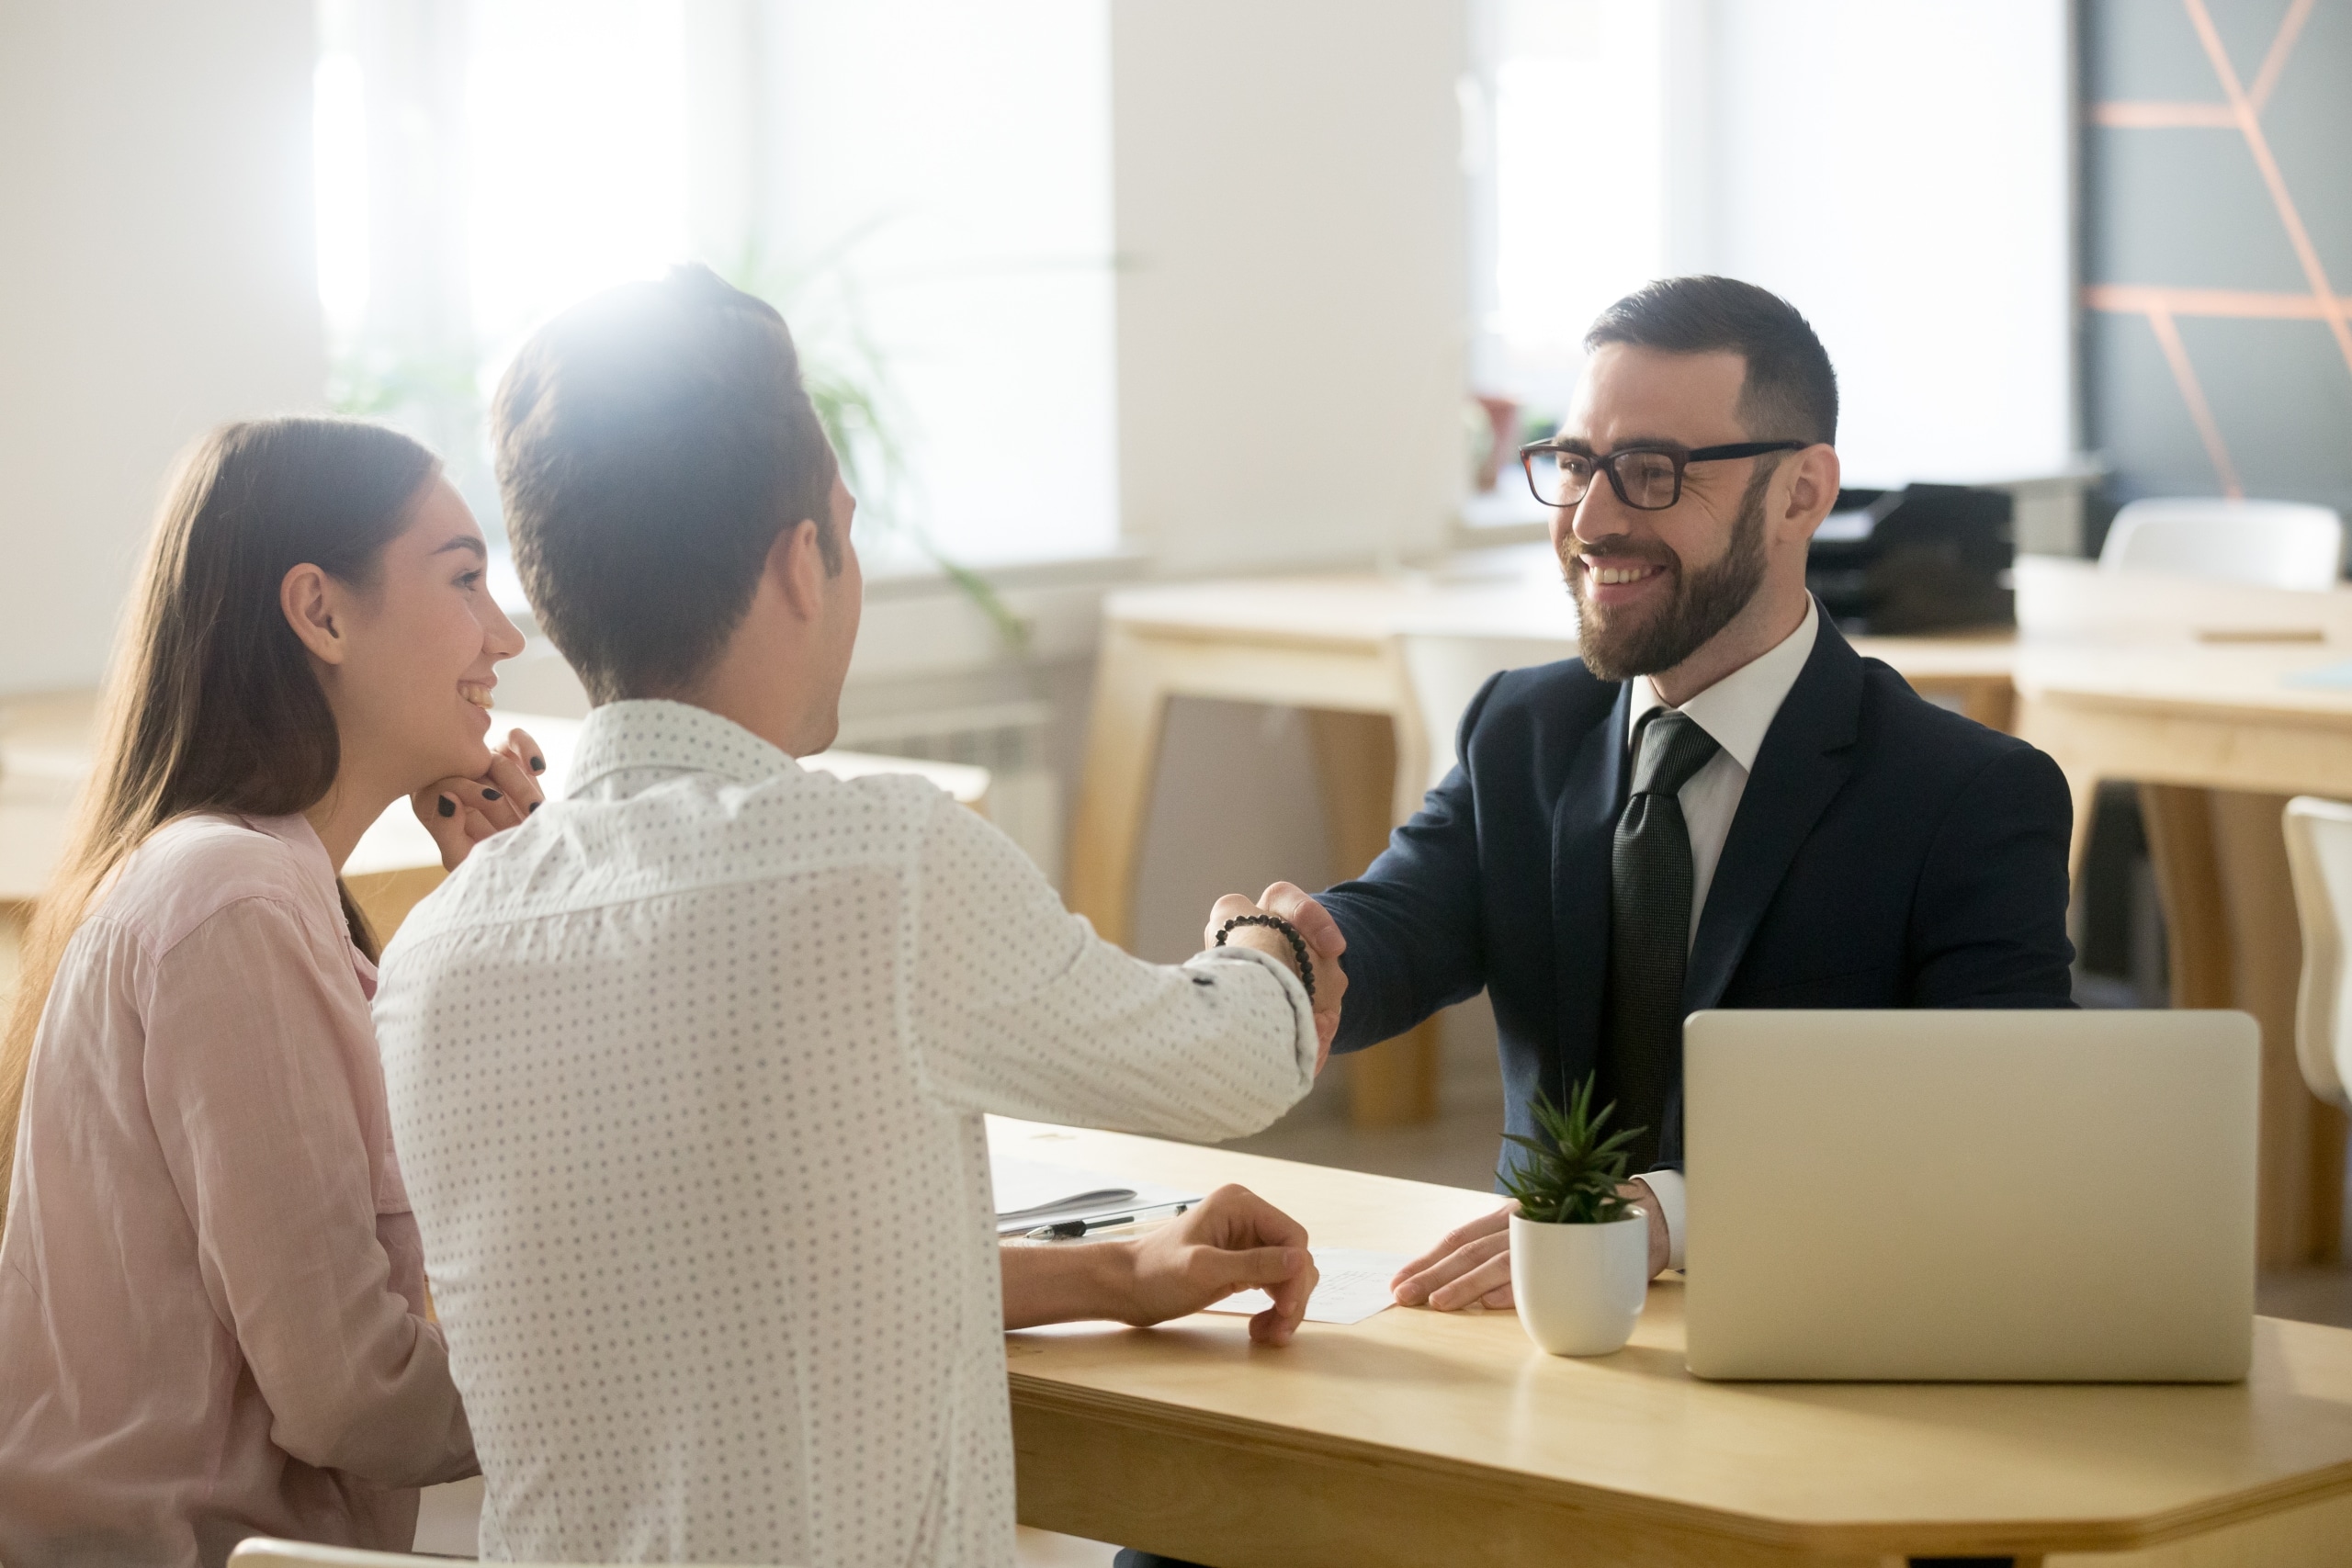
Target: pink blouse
[211,1290]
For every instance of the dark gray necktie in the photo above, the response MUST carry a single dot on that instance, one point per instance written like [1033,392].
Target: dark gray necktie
[1649,930]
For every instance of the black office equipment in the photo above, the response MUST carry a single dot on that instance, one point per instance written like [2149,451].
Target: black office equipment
[1925,558]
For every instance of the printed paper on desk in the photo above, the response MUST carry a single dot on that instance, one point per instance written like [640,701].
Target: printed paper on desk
[1029,1194]
[1354,1286]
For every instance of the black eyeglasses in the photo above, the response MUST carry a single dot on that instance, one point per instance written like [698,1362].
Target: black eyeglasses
[1647,479]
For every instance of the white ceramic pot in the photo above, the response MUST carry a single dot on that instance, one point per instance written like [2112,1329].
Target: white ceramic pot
[1579,1288]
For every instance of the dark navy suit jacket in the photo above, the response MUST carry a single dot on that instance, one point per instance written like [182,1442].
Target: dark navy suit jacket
[1886,853]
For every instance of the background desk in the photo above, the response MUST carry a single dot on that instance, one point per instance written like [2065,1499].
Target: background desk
[2115,684]
[2218,742]
[1328,645]
[1418,1436]
[45,756]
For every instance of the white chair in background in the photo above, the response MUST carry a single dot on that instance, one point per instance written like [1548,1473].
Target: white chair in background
[261,1551]
[2276,543]
[1445,671]
[2319,854]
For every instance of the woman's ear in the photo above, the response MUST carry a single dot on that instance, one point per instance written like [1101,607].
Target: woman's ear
[307,595]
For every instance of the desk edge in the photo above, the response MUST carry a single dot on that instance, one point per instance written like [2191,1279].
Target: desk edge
[1964,1537]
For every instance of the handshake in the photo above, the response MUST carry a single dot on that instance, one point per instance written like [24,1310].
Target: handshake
[1315,927]
[1471,1267]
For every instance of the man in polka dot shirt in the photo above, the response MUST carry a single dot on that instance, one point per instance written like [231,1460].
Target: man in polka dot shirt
[687,1073]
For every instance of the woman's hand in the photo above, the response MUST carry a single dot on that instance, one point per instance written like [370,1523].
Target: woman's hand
[461,813]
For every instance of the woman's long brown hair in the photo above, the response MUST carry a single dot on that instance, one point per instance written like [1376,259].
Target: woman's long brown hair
[211,705]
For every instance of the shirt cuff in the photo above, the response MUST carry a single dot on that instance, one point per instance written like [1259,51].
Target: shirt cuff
[1665,1185]
[1308,1046]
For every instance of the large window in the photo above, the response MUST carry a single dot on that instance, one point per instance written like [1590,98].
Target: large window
[922,186]
[1898,172]
[1567,158]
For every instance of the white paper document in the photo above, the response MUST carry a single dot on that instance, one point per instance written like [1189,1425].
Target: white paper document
[1354,1285]
[1029,1194]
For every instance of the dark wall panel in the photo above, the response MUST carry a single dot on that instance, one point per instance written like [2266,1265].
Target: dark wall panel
[2186,242]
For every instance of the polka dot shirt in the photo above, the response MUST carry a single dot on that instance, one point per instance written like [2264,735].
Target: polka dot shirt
[687,1074]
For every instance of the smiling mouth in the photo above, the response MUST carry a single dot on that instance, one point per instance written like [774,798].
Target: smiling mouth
[1605,572]
[475,692]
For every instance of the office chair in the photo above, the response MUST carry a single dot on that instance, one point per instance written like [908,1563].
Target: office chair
[261,1551]
[1445,670]
[2319,854]
[2275,544]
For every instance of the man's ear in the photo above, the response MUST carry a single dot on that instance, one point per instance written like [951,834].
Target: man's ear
[306,596]
[796,563]
[1812,487]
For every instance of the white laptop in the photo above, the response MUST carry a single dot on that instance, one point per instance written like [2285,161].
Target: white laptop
[1966,1195]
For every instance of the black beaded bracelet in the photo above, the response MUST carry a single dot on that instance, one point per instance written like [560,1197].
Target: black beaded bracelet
[1297,945]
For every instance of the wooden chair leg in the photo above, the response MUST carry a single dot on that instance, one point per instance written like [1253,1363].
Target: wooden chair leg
[2232,941]
[1394,1083]
[1130,713]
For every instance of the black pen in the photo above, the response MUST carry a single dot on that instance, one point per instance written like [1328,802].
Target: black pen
[1071,1230]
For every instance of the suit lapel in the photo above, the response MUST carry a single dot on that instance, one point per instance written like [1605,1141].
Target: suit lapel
[1582,827]
[1804,762]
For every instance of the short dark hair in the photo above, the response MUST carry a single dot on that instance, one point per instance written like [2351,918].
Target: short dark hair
[1791,392]
[652,442]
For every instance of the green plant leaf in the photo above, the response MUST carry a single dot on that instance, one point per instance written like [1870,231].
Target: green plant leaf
[1571,1174]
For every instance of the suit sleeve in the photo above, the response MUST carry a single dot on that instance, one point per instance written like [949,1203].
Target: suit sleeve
[1413,919]
[1989,920]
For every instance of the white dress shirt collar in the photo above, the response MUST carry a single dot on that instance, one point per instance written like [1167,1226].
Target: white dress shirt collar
[626,737]
[1739,708]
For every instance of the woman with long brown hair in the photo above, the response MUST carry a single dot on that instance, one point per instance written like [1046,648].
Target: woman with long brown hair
[212,1312]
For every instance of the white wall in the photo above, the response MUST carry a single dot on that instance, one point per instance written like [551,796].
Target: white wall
[1289,210]
[1902,174]
[155,278]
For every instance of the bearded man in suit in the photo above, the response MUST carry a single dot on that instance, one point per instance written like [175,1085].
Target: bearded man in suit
[1720,804]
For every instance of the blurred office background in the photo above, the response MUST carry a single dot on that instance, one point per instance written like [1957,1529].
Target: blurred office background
[1105,293]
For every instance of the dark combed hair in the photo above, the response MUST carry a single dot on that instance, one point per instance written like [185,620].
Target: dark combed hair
[652,442]
[1791,392]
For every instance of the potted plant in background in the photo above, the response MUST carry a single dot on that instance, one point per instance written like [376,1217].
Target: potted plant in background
[1579,1250]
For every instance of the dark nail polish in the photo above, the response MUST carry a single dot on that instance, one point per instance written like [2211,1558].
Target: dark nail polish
[533,806]
[448,807]
[538,764]
[490,793]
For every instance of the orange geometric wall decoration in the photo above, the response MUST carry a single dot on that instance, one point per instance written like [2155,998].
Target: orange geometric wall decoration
[2216,198]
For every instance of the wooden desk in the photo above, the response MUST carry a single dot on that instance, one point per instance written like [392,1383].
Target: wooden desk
[1420,1438]
[1330,645]
[45,750]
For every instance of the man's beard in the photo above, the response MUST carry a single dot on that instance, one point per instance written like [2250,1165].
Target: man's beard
[1616,647]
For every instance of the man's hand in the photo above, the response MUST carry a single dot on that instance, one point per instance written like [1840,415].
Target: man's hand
[1471,1265]
[461,813]
[1661,1248]
[1232,1241]
[1315,925]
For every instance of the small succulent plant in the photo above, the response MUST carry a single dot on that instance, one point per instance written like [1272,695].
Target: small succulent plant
[1571,1175]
